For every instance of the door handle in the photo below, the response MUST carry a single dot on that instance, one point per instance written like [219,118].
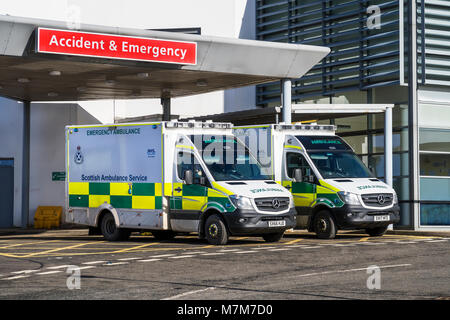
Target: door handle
[288,187]
[178,189]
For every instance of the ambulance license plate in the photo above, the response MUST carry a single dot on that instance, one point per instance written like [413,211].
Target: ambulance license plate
[277,223]
[381,218]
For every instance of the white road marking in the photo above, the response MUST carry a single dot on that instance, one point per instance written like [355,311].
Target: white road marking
[15,277]
[115,263]
[162,256]
[94,262]
[129,259]
[245,252]
[437,241]
[406,242]
[344,245]
[350,270]
[213,254]
[48,272]
[58,267]
[88,267]
[282,249]
[24,271]
[312,247]
[181,257]
[149,260]
[262,248]
[229,250]
[194,252]
[372,243]
[188,293]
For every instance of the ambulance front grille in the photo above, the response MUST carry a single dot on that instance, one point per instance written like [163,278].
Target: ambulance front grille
[378,199]
[272,204]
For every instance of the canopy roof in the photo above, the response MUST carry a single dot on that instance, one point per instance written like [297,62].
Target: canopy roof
[300,112]
[222,63]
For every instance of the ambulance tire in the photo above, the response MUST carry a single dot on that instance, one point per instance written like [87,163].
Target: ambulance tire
[216,232]
[324,225]
[273,237]
[163,234]
[376,232]
[110,231]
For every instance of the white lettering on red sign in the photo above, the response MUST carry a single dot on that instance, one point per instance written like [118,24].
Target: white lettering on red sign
[116,47]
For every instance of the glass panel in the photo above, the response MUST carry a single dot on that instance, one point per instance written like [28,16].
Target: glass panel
[351,124]
[400,164]
[435,214]
[434,139]
[401,186]
[432,164]
[358,143]
[435,189]
[399,117]
[433,115]
[405,217]
[399,141]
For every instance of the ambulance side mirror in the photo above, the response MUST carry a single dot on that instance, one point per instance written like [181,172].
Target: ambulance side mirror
[188,177]
[298,175]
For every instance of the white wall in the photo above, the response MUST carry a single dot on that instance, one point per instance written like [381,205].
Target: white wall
[47,151]
[11,134]
[227,18]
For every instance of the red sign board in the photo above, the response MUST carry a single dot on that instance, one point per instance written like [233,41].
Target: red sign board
[115,47]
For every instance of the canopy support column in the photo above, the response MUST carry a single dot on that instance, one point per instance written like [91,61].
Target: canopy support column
[26,164]
[286,100]
[165,102]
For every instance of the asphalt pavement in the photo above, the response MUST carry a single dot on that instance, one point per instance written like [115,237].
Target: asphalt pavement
[69,264]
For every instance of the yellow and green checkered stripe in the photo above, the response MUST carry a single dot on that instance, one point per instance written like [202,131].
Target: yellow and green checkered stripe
[310,194]
[118,195]
[199,198]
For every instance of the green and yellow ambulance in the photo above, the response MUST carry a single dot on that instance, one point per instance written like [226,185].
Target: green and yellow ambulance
[168,178]
[331,186]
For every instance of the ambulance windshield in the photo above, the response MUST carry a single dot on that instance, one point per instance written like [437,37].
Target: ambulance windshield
[339,164]
[227,159]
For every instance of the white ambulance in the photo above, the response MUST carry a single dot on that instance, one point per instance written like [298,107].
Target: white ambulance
[332,188]
[168,178]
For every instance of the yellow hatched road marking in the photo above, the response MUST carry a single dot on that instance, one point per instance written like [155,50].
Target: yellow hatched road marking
[137,247]
[57,249]
[293,241]
[364,239]
[28,243]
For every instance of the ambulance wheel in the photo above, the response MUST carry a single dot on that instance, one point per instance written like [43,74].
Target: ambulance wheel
[273,237]
[163,234]
[110,230]
[215,230]
[376,232]
[324,225]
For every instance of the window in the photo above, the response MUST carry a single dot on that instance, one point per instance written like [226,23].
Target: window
[187,161]
[434,140]
[339,164]
[297,161]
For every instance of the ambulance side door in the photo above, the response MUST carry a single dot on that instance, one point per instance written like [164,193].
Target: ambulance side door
[304,192]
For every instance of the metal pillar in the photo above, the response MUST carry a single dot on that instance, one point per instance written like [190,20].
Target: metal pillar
[165,102]
[26,164]
[286,100]
[388,171]
[388,155]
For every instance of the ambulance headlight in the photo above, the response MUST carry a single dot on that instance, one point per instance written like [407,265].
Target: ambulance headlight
[395,199]
[349,198]
[241,202]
